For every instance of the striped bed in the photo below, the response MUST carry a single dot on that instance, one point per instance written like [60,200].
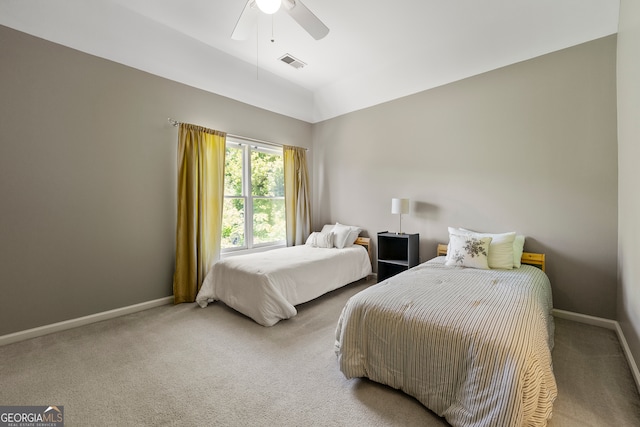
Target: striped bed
[474,346]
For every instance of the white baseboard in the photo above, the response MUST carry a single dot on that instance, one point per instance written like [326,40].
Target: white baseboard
[627,352]
[585,318]
[81,321]
[608,324]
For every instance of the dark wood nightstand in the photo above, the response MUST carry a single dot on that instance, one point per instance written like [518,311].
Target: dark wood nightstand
[397,253]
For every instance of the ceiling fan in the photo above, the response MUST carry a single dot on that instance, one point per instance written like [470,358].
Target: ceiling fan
[298,11]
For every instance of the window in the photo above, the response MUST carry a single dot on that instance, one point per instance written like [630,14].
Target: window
[253,213]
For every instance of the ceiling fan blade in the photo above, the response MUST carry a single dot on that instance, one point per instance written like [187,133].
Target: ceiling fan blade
[247,22]
[305,18]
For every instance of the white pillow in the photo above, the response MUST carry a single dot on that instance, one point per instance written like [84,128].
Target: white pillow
[518,248]
[343,236]
[468,251]
[320,240]
[500,250]
[327,228]
[353,234]
[341,240]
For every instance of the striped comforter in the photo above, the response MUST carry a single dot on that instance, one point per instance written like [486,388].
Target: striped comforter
[474,346]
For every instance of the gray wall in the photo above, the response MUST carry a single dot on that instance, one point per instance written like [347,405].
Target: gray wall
[629,173]
[531,147]
[87,172]
[87,178]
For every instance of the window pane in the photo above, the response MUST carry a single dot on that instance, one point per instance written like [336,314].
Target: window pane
[268,220]
[267,174]
[233,171]
[233,223]
[253,212]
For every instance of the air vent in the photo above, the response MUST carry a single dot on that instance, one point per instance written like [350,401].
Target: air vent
[294,62]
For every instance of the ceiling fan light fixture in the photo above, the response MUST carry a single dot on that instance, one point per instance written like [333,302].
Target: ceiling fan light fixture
[269,6]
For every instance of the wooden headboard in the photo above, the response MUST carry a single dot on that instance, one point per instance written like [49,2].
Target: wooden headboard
[529,258]
[366,242]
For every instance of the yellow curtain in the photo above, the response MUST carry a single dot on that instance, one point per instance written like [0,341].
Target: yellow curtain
[296,195]
[201,155]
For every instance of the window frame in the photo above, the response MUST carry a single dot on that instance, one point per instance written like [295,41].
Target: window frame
[247,196]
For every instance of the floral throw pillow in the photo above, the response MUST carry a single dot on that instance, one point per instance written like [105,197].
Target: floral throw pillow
[468,251]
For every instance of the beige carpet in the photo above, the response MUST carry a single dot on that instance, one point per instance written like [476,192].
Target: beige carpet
[183,365]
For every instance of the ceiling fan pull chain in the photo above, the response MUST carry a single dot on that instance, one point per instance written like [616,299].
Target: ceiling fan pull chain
[272,38]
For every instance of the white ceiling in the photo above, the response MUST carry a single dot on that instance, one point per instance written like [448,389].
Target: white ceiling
[375,51]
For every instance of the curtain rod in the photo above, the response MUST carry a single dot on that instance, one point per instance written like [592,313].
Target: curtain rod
[176,123]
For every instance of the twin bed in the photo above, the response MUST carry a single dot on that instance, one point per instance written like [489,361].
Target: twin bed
[469,333]
[471,344]
[266,286]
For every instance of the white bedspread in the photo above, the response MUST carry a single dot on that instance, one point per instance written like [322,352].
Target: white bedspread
[472,345]
[267,285]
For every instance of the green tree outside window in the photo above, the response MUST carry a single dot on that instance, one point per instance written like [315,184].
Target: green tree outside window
[258,219]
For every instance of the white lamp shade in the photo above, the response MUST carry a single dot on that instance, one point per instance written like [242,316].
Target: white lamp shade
[399,206]
[269,6]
